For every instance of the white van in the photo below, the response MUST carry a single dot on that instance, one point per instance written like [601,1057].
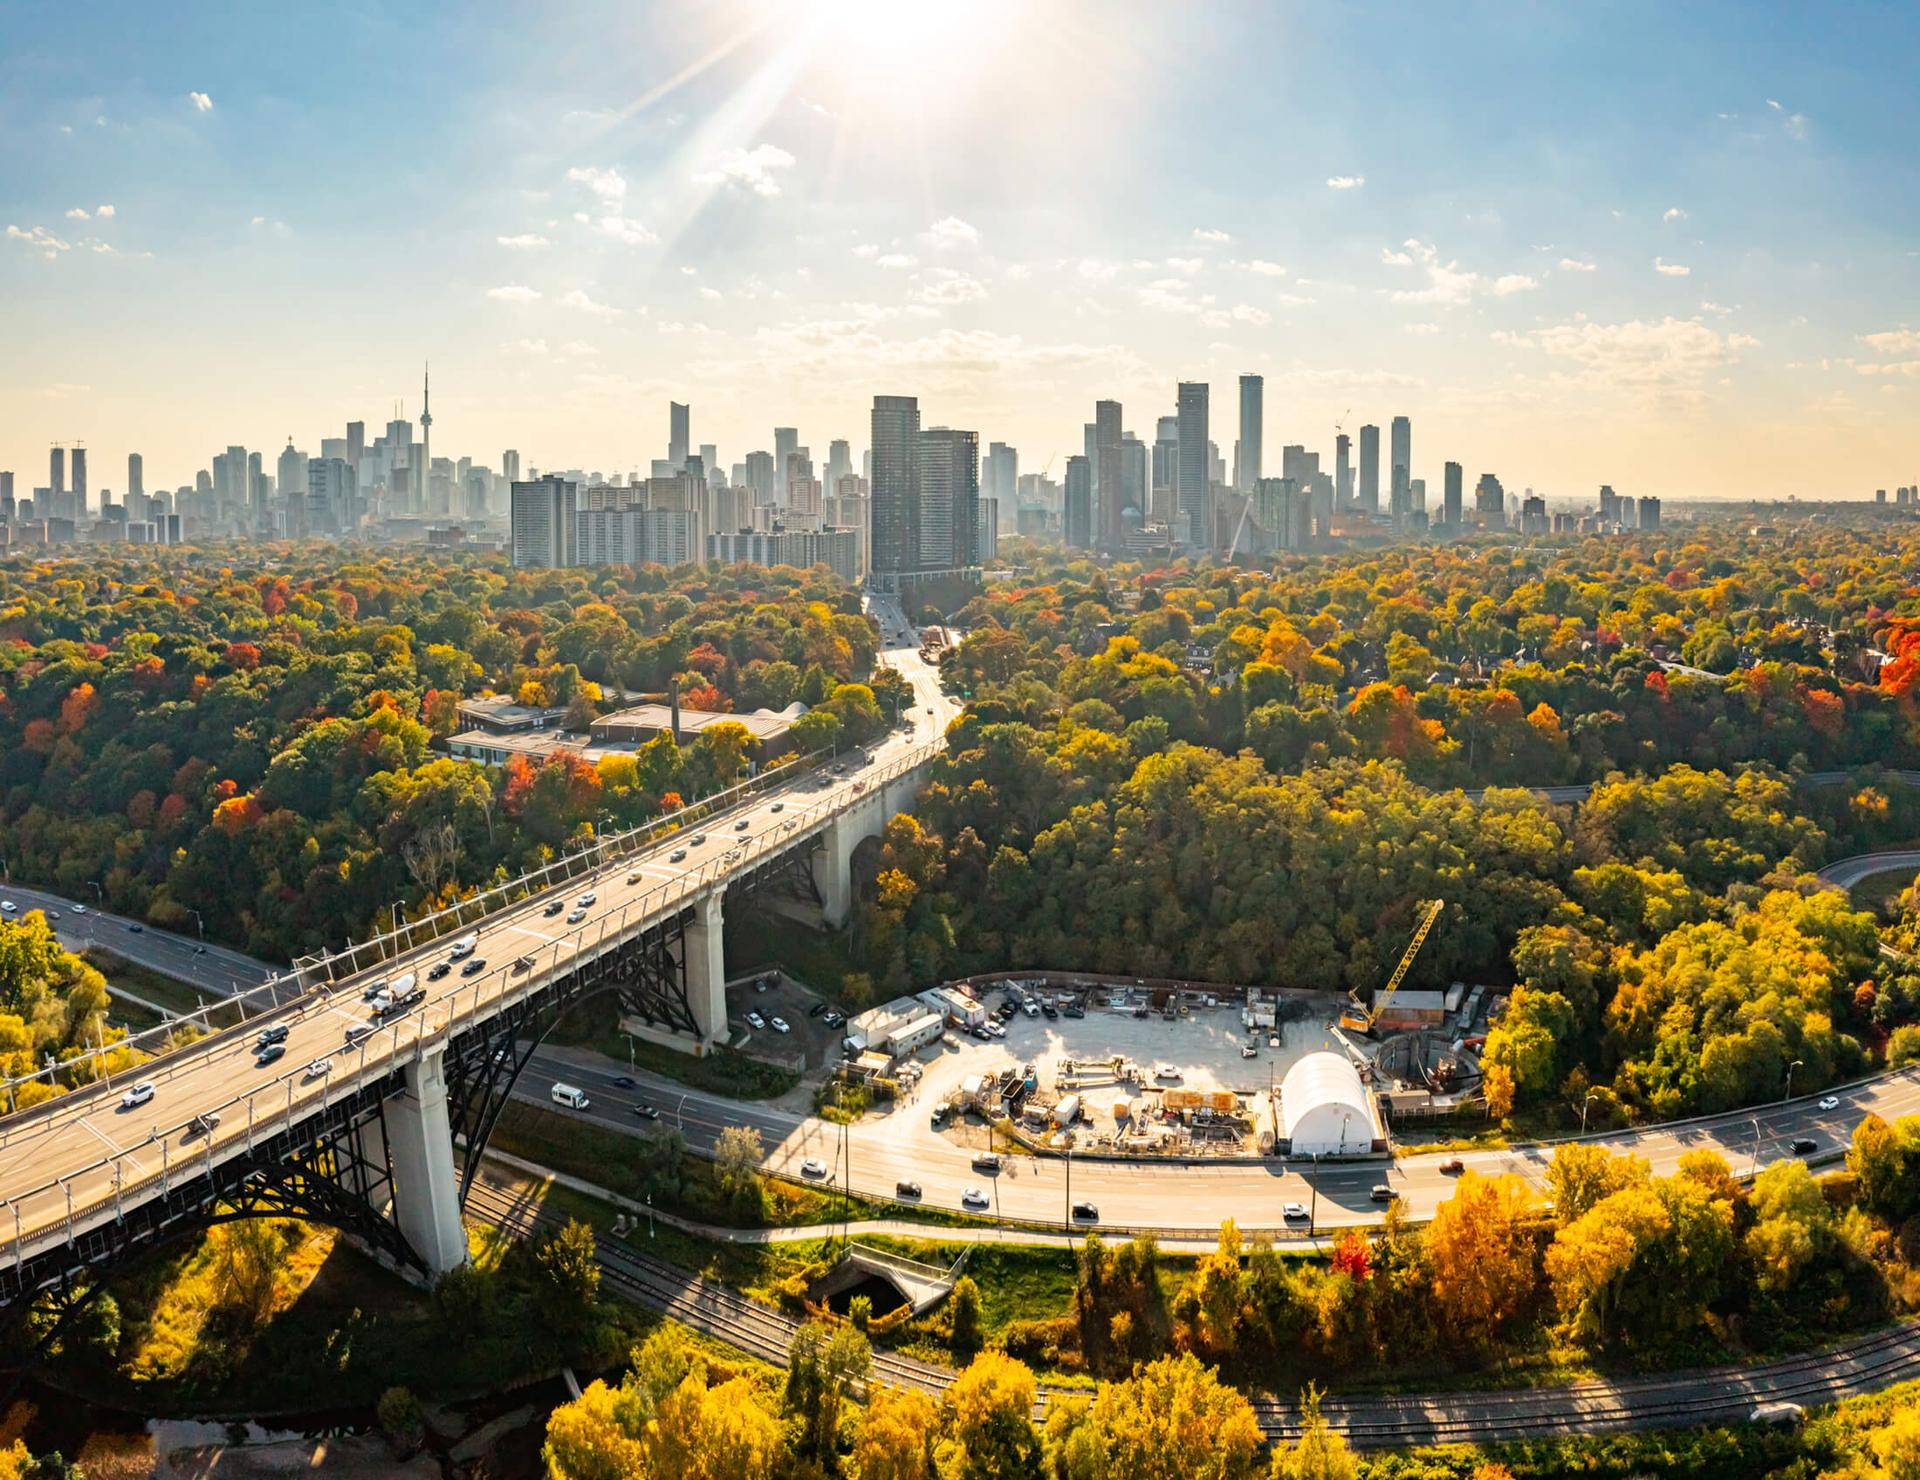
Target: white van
[571,1097]
[463,947]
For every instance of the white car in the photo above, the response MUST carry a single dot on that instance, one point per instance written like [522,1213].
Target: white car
[586,899]
[780,1025]
[1166,1071]
[1294,1212]
[574,917]
[813,1167]
[676,855]
[1829,1102]
[319,1068]
[8,907]
[138,1095]
[973,1197]
[79,909]
[756,1020]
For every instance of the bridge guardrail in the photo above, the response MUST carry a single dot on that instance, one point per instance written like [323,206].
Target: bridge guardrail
[505,987]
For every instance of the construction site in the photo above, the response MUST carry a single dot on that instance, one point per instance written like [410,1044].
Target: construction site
[1054,1062]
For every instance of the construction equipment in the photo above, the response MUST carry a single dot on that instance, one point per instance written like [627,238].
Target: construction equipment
[1359,1019]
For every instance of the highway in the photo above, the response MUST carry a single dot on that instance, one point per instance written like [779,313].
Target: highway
[1715,1395]
[75,1159]
[214,969]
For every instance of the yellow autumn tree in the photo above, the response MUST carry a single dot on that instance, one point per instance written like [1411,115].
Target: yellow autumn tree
[1481,1246]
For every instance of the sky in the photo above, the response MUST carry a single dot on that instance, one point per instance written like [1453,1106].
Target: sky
[1671,248]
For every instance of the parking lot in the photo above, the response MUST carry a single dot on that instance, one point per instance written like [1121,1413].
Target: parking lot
[808,1033]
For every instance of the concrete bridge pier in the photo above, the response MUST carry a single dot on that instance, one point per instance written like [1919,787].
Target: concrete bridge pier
[426,1186]
[705,963]
[832,866]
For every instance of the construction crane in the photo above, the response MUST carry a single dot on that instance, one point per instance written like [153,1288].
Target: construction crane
[1358,1019]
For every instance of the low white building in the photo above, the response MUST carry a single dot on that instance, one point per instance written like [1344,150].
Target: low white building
[1325,1110]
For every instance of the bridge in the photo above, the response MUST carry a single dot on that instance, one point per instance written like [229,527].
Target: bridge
[356,1124]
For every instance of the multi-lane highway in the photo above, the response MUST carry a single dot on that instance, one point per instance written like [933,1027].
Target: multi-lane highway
[214,969]
[77,1157]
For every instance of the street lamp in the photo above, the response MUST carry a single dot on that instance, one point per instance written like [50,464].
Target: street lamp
[199,924]
[99,894]
[1583,1110]
[1796,1064]
[1756,1146]
[1313,1208]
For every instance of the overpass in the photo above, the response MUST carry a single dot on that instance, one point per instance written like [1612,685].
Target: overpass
[355,1125]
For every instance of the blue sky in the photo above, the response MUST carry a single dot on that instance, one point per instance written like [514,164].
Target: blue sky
[1672,248]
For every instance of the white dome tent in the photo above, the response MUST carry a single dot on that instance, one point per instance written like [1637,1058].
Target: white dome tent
[1324,1108]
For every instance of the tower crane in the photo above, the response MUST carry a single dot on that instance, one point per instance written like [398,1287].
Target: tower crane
[1359,1019]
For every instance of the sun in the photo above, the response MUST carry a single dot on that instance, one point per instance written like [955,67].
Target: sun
[889,44]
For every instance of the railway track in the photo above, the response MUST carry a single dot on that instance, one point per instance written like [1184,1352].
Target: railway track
[1666,1400]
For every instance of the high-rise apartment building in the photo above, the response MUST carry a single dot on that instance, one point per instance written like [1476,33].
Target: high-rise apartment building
[1134,487]
[786,442]
[331,495]
[1109,485]
[79,482]
[56,486]
[1193,492]
[1370,471]
[136,476]
[1452,496]
[895,509]
[1252,414]
[676,435]
[1166,468]
[356,443]
[291,473]
[948,473]
[1402,467]
[839,463]
[1077,523]
[1649,512]
[509,466]
[1343,471]
[1490,502]
[542,522]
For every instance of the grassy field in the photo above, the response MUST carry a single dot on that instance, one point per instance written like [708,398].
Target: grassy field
[819,958]
[176,996]
[596,1025]
[1879,892]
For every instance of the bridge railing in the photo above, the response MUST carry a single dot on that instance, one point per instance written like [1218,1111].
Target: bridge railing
[110,1181]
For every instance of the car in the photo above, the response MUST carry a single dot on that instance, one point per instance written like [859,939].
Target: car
[1075,1010]
[438,970]
[136,927]
[554,908]
[357,1030]
[813,1167]
[474,967]
[1805,1145]
[940,1113]
[762,983]
[271,1054]
[79,909]
[634,875]
[816,1009]
[374,989]
[996,1030]
[1166,1071]
[834,1018]
[973,1197]
[1086,1212]
[139,1094]
[574,917]
[839,770]
[202,1125]
[624,1081]
[646,1112]
[276,1034]
[586,899]
[52,915]
[1453,1166]
[1382,1192]
[674,857]
[1830,1102]
[696,840]
[1778,1412]
[755,1020]
[522,963]
[463,947]
[741,825]
[929,709]
[778,807]
[199,950]
[1273,1040]
[859,786]
[1248,1051]
[979,1031]
[987,1161]
[8,907]
[1294,1212]
[906,1189]
[319,1068]
[779,1025]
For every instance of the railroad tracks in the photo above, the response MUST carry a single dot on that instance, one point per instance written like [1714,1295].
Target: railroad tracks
[1664,1400]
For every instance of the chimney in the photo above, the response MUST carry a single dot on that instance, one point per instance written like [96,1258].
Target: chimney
[673,703]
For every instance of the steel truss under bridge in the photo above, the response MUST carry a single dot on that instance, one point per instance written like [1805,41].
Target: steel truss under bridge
[648,975]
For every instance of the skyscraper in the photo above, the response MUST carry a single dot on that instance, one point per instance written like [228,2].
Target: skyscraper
[1402,466]
[356,443]
[1107,477]
[1343,471]
[1252,414]
[425,471]
[786,442]
[1193,495]
[676,435]
[56,485]
[839,462]
[1370,471]
[1452,505]
[293,476]
[1166,467]
[948,513]
[136,476]
[510,466]
[894,491]
[542,522]
[79,482]
[1077,523]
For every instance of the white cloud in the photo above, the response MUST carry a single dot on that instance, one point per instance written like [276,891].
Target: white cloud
[78,213]
[1774,103]
[513,293]
[1395,259]
[1345,182]
[1266,269]
[1513,282]
[1185,266]
[105,213]
[526,347]
[201,102]
[1574,264]
[1674,213]
[609,184]
[626,230]
[523,241]
[1707,305]
[1094,270]
[896,261]
[1246,313]
[1423,328]
[951,231]
[1669,357]
[1894,341]
[1670,269]
[42,240]
[1908,368]
[867,251]
[578,299]
[747,169]
[712,294]
[1796,126]
[952,287]
[1206,234]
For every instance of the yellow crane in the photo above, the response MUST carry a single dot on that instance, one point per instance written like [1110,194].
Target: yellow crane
[1358,1019]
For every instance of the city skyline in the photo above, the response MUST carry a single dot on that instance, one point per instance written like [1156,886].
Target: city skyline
[774,214]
